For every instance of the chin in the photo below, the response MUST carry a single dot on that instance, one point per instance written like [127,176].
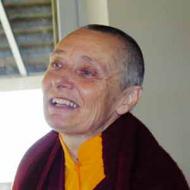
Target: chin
[58,128]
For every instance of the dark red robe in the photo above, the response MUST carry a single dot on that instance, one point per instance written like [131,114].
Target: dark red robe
[133,160]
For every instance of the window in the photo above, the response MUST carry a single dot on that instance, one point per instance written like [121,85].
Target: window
[22,123]
[33,24]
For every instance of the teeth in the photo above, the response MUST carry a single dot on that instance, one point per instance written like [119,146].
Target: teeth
[61,101]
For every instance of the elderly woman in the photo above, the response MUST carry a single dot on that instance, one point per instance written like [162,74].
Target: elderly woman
[94,79]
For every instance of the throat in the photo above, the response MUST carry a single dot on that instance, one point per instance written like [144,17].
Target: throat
[73,144]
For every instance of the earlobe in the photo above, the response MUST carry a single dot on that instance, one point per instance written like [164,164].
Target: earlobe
[129,99]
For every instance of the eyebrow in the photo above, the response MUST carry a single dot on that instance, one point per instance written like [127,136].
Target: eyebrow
[93,61]
[87,58]
[84,57]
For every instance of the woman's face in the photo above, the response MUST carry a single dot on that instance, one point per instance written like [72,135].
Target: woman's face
[82,84]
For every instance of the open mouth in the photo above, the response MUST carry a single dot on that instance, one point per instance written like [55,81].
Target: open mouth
[63,103]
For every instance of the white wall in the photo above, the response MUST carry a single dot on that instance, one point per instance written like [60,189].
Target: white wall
[75,13]
[67,15]
[22,124]
[162,29]
[96,11]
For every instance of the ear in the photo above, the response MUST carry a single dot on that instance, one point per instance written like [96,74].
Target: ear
[130,97]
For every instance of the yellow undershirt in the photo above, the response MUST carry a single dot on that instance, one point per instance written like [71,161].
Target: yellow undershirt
[89,169]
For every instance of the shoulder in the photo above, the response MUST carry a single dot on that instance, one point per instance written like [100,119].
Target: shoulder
[153,167]
[32,162]
[42,146]
[37,161]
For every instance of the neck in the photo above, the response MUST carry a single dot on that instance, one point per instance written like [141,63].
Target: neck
[73,141]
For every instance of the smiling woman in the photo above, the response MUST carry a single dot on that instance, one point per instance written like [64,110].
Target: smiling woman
[77,76]
[21,125]
[81,105]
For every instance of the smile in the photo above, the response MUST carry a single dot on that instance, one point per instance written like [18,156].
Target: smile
[63,102]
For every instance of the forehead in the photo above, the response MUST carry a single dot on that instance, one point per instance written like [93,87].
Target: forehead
[89,37]
[93,43]
[90,45]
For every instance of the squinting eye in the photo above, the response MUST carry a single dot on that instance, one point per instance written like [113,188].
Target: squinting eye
[86,73]
[56,65]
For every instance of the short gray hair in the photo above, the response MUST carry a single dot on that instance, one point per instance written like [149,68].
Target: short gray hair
[132,57]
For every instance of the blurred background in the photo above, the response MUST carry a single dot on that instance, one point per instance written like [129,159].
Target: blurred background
[29,29]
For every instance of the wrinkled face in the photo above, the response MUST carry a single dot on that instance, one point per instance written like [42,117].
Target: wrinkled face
[82,86]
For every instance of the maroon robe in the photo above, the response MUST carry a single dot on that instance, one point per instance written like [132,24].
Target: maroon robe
[133,160]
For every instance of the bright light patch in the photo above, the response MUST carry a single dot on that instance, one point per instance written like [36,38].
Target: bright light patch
[21,124]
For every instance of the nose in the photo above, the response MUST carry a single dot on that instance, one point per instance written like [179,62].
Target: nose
[62,81]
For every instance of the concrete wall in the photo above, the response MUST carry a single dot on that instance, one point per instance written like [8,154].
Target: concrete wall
[162,29]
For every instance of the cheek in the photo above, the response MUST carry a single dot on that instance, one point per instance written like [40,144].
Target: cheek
[96,102]
[113,95]
[47,81]
[94,92]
